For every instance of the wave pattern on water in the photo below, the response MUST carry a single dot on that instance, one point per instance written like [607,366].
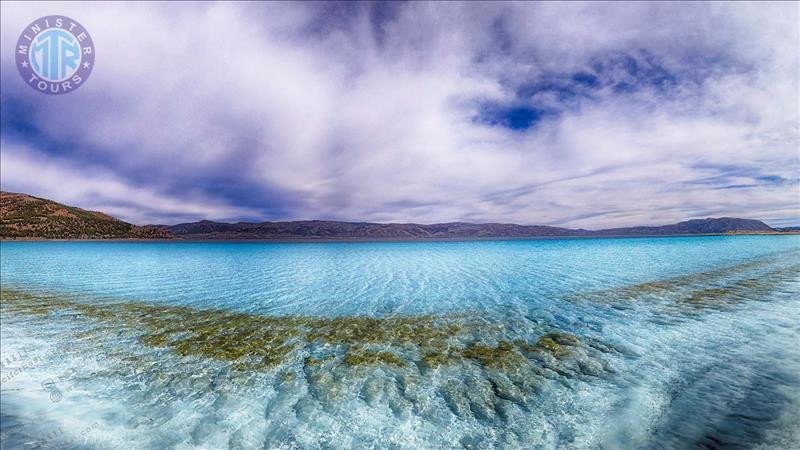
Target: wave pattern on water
[687,359]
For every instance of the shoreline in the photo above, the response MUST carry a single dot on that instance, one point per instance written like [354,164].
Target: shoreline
[388,240]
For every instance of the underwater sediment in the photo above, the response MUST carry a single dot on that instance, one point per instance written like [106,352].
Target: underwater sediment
[703,357]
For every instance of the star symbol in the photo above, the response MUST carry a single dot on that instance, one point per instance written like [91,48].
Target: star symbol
[24,63]
[86,65]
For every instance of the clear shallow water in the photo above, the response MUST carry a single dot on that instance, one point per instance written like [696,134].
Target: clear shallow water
[614,343]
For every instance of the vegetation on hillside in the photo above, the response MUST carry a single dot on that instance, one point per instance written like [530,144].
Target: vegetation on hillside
[27,217]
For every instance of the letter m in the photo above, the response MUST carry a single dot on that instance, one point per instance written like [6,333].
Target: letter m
[23,50]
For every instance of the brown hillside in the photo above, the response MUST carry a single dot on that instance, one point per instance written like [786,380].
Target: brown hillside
[26,217]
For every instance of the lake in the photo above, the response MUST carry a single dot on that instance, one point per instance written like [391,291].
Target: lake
[680,342]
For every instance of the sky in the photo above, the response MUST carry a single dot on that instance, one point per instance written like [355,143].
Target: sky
[588,115]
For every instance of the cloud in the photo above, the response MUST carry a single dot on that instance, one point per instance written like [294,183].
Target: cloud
[98,190]
[579,114]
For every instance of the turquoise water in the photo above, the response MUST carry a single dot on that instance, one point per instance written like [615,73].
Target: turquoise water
[578,343]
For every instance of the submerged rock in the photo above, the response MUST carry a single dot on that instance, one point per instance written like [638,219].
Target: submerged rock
[453,394]
[481,399]
[507,390]
[372,390]
[361,357]
[504,356]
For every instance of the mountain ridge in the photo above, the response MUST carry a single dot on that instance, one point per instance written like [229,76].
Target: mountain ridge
[320,229]
[26,217]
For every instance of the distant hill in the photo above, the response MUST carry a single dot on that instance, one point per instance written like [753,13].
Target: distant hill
[24,216]
[695,226]
[317,229]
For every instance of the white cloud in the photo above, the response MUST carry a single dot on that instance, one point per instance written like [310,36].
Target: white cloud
[98,190]
[332,116]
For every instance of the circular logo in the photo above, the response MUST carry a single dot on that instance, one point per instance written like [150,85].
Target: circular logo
[55,54]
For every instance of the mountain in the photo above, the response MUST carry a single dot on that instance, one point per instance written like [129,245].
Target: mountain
[25,216]
[696,226]
[317,229]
